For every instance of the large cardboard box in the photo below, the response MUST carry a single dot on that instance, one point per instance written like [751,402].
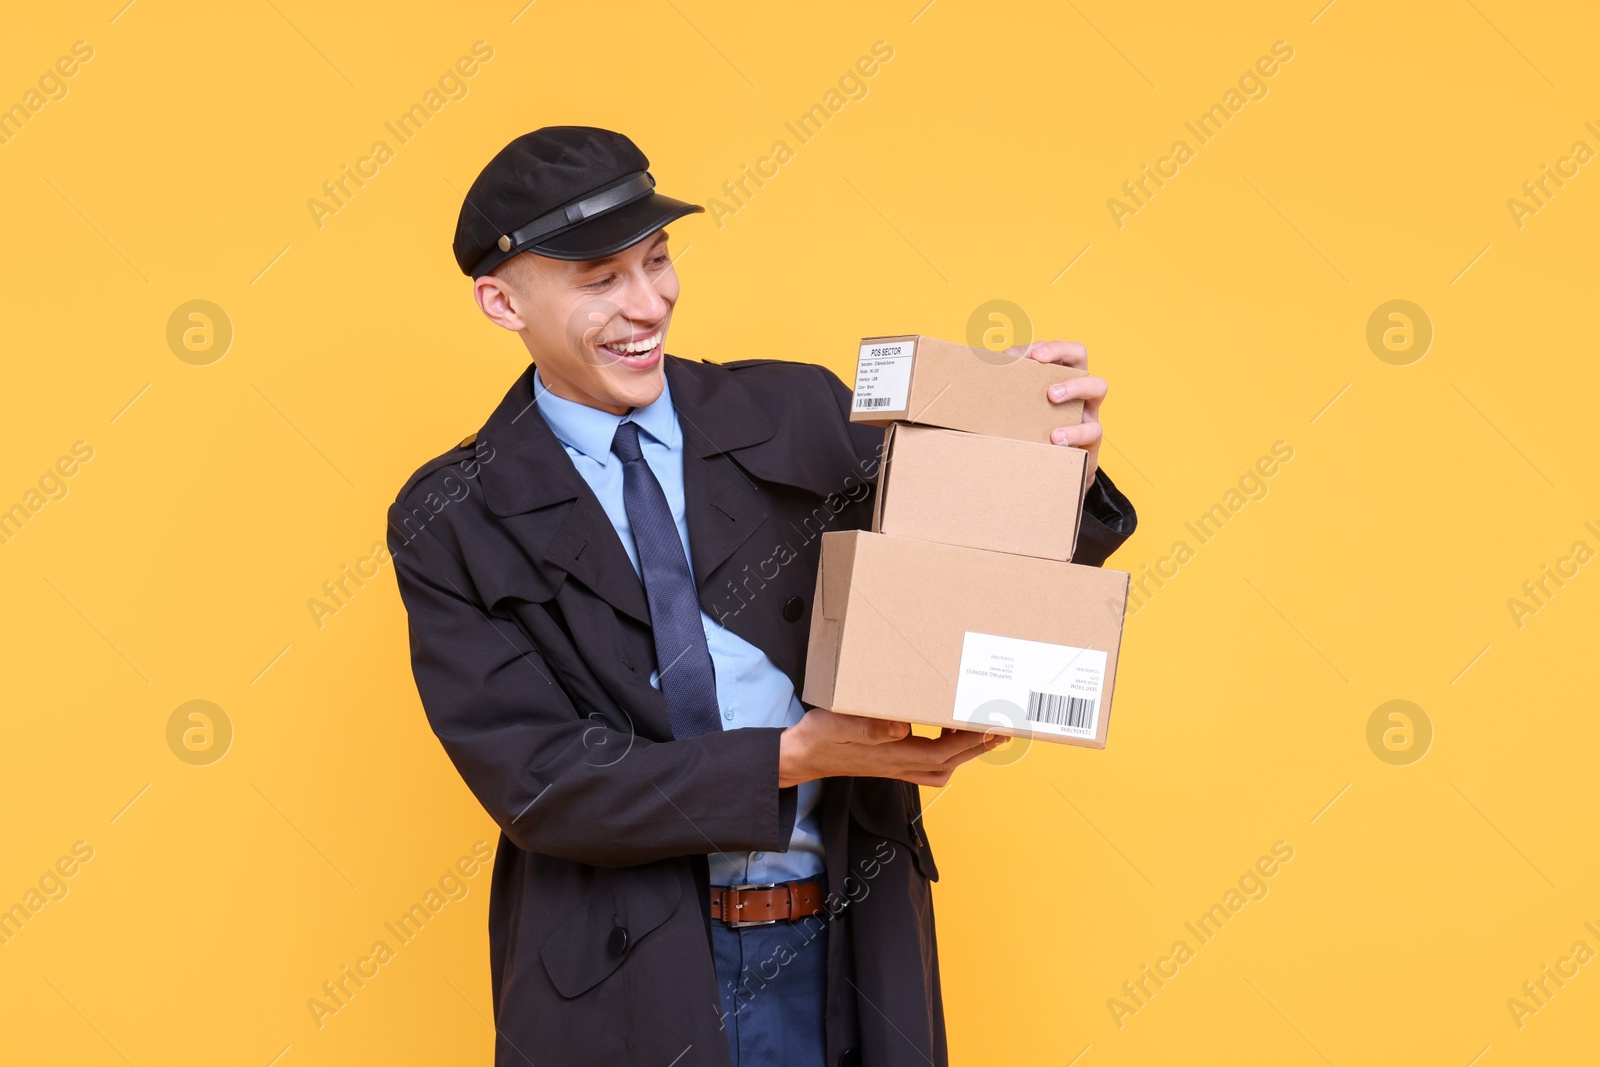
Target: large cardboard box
[929,633]
[941,383]
[984,492]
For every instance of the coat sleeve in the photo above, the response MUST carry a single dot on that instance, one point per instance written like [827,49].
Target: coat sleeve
[561,777]
[1108,520]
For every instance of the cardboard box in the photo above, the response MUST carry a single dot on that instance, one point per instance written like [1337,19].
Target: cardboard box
[992,493]
[942,383]
[928,633]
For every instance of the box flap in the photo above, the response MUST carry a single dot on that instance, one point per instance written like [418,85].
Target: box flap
[1119,611]
[833,573]
[1083,491]
[822,655]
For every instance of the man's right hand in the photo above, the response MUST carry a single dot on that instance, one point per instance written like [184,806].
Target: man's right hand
[824,745]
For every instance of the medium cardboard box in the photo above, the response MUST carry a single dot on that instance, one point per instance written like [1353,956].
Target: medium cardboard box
[941,383]
[993,493]
[922,632]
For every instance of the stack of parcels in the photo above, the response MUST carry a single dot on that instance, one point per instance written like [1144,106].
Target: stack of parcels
[960,607]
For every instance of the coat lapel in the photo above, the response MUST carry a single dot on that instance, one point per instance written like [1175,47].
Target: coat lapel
[725,510]
[718,417]
[549,508]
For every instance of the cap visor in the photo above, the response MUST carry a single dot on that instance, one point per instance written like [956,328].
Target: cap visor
[608,234]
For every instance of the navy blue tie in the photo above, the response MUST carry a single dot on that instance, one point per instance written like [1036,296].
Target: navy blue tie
[688,679]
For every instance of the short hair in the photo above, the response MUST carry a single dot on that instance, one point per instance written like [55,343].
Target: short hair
[515,271]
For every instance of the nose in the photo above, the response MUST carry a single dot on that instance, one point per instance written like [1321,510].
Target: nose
[642,301]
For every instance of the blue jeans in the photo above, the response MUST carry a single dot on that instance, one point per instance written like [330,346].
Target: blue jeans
[773,981]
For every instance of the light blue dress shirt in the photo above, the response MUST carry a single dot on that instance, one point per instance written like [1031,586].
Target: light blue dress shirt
[751,691]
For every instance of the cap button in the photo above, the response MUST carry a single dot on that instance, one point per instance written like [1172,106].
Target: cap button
[504,243]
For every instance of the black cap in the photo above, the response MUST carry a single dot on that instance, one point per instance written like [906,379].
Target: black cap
[567,192]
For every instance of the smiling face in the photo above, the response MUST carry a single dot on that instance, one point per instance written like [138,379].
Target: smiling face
[596,328]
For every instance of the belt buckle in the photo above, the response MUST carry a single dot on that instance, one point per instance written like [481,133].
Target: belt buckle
[748,922]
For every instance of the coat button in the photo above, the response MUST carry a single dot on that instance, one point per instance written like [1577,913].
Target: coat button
[793,608]
[850,1057]
[617,943]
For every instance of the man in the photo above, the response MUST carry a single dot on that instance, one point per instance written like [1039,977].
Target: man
[693,868]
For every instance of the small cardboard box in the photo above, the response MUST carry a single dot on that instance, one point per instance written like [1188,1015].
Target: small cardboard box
[922,632]
[992,493]
[941,383]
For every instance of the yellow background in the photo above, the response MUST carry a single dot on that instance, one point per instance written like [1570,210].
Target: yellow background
[1228,314]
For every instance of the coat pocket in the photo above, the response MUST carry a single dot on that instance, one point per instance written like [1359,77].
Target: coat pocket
[586,947]
[892,809]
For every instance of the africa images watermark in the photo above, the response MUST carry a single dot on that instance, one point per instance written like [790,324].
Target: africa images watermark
[432,503]
[1538,991]
[768,969]
[1252,85]
[337,192]
[338,991]
[1552,578]
[852,85]
[1138,992]
[1252,486]
[50,87]
[1538,192]
[52,486]
[337,592]
[50,886]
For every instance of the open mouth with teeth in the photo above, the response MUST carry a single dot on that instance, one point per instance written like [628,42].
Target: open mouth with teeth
[642,352]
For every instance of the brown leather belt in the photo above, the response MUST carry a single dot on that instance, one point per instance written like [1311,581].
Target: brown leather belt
[767,902]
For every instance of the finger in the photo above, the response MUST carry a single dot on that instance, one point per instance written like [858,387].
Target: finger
[1067,353]
[1082,435]
[948,767]
[937,750]
[1089,387]
[937,779]
[877,731]
[972,753]
[916,755]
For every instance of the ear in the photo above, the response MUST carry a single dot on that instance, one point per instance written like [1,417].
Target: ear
[498,302]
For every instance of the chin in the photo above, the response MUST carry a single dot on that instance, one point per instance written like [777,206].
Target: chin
[635,386]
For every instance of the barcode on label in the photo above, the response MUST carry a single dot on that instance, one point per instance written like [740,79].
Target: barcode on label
[1059,709]
[874,402]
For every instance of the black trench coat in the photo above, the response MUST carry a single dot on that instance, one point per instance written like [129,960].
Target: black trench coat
[532,651]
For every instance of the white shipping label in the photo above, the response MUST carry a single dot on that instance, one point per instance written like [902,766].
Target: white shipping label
[883,375]
[1030,685]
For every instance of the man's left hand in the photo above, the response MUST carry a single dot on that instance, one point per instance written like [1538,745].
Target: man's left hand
[1089,389]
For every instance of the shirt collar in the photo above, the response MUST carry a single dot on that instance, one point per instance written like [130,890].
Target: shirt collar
[590,430]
